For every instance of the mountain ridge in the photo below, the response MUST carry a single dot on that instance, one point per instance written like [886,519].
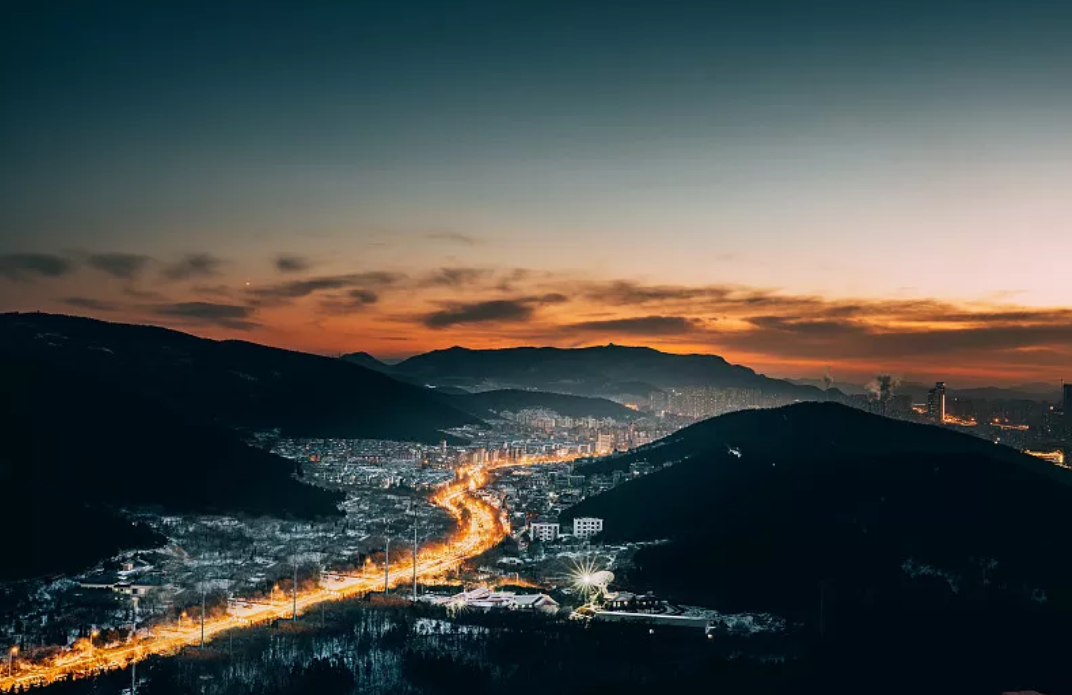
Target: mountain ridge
[588,371]
[236,382]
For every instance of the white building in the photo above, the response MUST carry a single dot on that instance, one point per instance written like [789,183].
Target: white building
[545,531]
[483,598]
[587,526]
[605,443]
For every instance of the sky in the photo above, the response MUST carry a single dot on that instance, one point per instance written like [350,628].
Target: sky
[798,186]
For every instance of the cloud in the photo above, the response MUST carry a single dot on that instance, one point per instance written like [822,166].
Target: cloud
[495,310]
[800,326]
[350,301]
[29,266]
[193,265]
[640,325]
[624,292]
[296,289]
[454,277]
[290,263]
[226,315]
[508,283]
[498,310]
[772,327]
[89,304]
[363,296]
[455,237]
[125,266]
[903,336]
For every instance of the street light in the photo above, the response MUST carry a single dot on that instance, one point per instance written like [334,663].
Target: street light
[93,634]
[11,660]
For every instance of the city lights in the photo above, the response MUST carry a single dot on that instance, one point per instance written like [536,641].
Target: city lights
[480,528]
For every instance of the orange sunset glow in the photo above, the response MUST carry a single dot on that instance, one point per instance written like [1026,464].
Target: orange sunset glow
[738,188]
[393,314]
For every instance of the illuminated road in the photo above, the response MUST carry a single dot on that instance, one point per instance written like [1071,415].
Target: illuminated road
[480,528]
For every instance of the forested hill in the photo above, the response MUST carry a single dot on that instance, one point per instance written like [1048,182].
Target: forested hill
[761,506]
[235,383]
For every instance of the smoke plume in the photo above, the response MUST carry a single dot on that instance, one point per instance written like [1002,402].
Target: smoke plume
[882,386]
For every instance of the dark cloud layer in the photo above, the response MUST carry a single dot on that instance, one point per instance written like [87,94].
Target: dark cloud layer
[480,312]
[363,296]
[491,311]
[125,266]
[624,293]
[765,324]
[348,302]
[191,266]
[455,277]
[641,325]
[29,266]
[296,289]
[226,315]
[290,263]
[756,325]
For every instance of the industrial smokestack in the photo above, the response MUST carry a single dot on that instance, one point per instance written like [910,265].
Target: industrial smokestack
[881,390]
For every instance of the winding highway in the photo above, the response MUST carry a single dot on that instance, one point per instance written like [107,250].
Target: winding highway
[480,528]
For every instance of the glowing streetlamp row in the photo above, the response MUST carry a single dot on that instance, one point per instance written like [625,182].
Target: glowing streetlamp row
[480,532]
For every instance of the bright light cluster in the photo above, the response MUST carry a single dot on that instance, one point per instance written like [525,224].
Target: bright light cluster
[480,529]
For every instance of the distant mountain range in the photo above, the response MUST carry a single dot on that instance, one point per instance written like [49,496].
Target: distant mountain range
[100,415]
[484,403]
[610,370]
[763,507]
[615,370]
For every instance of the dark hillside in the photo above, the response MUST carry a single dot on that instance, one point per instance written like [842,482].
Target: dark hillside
[78,448]
[235,383]
[762,506]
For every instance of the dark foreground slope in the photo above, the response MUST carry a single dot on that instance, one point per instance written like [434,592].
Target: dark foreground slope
[765,507]
[79,448]
[235,383]
[589,371]
[101,416]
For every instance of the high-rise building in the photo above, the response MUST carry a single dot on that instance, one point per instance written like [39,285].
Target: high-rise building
[604,443]
[1067,402]
[936,402]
